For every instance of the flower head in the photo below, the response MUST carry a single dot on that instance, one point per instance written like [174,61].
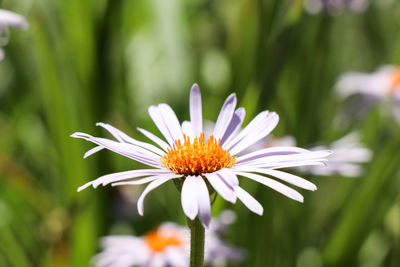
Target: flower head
[9,19]
[167,245]
[382,85]
[200,164]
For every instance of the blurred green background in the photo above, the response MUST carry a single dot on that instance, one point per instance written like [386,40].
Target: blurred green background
[81,62]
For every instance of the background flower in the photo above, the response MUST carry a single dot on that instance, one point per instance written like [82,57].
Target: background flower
[168,245]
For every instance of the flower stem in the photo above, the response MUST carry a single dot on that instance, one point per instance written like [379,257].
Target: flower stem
[196,243]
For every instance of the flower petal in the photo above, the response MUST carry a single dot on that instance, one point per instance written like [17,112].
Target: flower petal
[187,129]
[92,151]
[146,180]
[221,187]
[120,176]
[259,131]
[171,121]
[203,201]
[196,117]
[234,125]
[287,177]
[124,138]
[189,197]
[155,139]
[270,151]
[148,189]
[281,188]
[250,202]
[225,116]
[159,122]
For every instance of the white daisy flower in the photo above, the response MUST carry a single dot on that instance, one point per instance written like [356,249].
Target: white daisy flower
[382,85]
[9,19]
[202,164]
[168,245]
[348,154]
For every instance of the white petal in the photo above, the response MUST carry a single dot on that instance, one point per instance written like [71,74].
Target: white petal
[92,151]
[281,188]
[159,122]
[259,131]
[171,121]
[312,155]
[203,201]
[270,151]
[247,130]
[287,177]
[188,130]
[120,176]
[128,150]
[124,138]
[155,139]
[12,19]
[225,116]
[234,125]
[250,202]
[222,189]
[229,177]
[196,117]
[148,189]
[146,180]
[189,197]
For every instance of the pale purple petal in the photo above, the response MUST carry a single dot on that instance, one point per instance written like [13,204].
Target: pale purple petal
[171,121]
[259,131]
[120,176]
[155,139]
[270,151]
[247,130]
[312,155]
[188,130]
[203,201]
[159,122]
[148,189]
[196,117]
[225,116]
[124,138]
[229,177]
[221,187]
[281,188]
[287,177]
[128,150]
[92,151]
[234,125]
[189,197]
[146,180]
[250,202]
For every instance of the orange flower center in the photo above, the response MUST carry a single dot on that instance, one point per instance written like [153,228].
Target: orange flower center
[197,157]
[395,85]
[158,242]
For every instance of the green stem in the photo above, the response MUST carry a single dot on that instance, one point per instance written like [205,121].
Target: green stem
[196,243]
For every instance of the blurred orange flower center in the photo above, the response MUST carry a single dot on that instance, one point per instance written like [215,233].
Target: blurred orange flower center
[158,242]
[197,157]
[395,85]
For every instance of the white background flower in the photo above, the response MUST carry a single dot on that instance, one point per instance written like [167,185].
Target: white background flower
[172,249]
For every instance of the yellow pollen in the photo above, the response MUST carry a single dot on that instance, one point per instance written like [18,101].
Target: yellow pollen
[197,157]
[158,242]
[395,84]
